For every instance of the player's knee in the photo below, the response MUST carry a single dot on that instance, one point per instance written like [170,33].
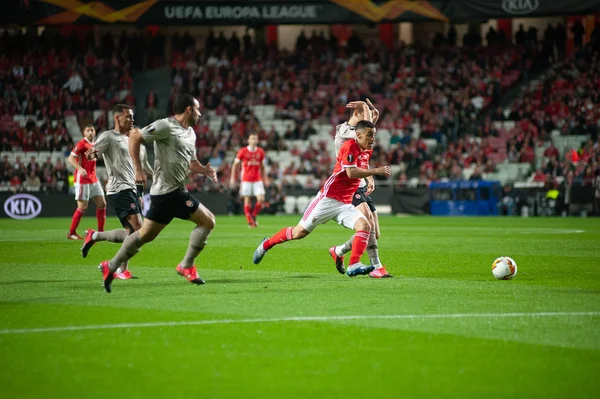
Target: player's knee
[101,204]
[362,224]
[299,233]
[82,207]
[211,222]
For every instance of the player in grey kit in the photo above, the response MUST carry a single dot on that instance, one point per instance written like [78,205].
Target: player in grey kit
[113,147]
[175,154]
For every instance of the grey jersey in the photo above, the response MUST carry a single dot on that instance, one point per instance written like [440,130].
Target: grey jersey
[174,150]
[343,132]
[114,148]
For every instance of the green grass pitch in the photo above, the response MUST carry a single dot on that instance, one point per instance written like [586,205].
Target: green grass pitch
[292,327]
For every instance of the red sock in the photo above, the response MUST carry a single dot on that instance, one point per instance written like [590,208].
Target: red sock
[282,235]
[257,209]
[75,220]
[101,218]
[248,214]
[359,246]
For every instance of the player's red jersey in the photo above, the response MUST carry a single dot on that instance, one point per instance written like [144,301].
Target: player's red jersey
[339,186]
[251,162]
[89,166]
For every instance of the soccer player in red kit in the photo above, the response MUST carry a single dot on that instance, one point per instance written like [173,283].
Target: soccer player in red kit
[252,159]
[334,201]
[86,183]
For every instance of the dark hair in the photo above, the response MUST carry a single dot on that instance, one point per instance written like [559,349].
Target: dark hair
[89,125]
[118,108]
[182,102]
[364,124]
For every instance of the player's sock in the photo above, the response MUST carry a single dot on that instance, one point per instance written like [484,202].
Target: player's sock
[77,215]
[198,238]
[282,235]
[359,245]
[111,235]
[343,249]
[248,214]
[257,208]
[373,251]
[123,267]
[101,218]
[131,246]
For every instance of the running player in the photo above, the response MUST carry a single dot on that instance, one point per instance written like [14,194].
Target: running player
[361,199]
[252,159]
[175,150]
[86,183]
[334,201]
[113,146]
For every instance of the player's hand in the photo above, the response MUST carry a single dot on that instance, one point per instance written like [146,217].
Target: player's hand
[355,104]
[384,171]
[83,172]
[374,110]
[91,154]
[267,183]
[140,178]
[370,187]
[210,172]
[232,182]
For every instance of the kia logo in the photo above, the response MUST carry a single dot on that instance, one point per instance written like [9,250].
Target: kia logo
[520,7]
[22,206]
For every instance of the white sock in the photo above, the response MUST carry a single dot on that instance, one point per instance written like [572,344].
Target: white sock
[339,251]
[376,263]
[94,235]
[122,268]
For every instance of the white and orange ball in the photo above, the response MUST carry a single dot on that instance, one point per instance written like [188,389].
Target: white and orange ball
[504,268]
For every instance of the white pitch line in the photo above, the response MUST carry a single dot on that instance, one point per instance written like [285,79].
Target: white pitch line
[291,319]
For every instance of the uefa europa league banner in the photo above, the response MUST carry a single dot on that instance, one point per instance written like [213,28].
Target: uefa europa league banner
[270,12]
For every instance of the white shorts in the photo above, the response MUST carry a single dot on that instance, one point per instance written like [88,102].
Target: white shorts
[83,192]
[322,209]
[252,189]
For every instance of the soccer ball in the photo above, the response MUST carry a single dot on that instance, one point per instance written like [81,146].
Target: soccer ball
[504,268]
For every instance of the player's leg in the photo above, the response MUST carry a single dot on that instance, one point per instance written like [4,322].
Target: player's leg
[132,223]
[127,210]
[320,210]
[337,252]
[131,246]
[205,223]
[258,189]
[159,215]
[97,195]
[350,217]
[246,193]
[82,196]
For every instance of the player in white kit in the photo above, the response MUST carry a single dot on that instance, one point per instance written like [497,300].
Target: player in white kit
[361,200]
[175,154]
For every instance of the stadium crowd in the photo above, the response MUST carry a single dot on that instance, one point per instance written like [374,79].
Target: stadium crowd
[445,90]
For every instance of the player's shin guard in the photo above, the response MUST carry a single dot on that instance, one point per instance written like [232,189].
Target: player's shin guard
[248,214]
[373,251]
[101,218]
[77,215]
[282,235]
[131,246]
[198,238]
[117,236]
[257,208]
[359,245]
